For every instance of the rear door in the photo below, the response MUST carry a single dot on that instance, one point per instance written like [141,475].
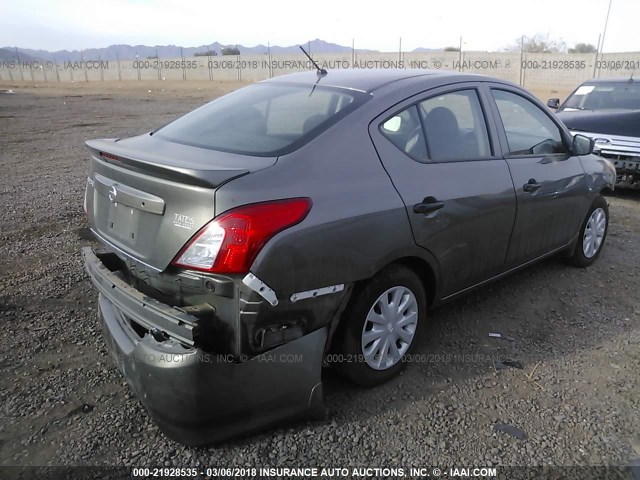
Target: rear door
[549,181]
[438,150]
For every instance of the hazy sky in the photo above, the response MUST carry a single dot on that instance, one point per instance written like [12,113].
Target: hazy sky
[483,24]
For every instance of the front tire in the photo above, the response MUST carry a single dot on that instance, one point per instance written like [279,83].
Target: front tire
[381,325]
[593,234]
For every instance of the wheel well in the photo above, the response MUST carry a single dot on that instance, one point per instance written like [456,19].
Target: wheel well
[424,271]
[421,268]
[416,264]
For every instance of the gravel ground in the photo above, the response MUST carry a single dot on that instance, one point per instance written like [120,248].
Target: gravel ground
[575,333]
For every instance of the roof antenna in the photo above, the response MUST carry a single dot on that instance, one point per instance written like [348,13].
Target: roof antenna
[319,71]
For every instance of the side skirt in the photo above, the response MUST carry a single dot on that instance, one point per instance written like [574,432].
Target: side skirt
[504,274]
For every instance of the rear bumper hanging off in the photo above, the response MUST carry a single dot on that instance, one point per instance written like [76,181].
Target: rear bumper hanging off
[197,397]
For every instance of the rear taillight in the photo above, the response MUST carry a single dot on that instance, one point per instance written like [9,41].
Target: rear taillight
[231,242]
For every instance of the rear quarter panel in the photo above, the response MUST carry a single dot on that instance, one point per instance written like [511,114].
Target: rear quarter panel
[357,222]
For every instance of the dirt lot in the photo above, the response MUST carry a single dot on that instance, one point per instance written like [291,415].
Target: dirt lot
[575,332]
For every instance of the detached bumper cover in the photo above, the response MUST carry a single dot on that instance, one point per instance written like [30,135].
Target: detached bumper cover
[197,397]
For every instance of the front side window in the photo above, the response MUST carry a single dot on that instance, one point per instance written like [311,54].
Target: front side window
[264,119]
[528,128]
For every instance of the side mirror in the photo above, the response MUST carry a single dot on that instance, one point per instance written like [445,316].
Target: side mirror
[553,103]
[583,145]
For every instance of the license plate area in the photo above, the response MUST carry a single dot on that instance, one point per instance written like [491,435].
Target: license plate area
[123,223]
[128,212]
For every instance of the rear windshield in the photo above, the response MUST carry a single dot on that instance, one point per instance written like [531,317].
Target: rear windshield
[264,119]
[603,96]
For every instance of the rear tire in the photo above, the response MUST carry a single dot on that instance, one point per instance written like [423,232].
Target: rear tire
[593,234]
[380,326]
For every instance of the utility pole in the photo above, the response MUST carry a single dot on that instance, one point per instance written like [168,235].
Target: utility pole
[604,32]
[595,65]
[353,52]
[19,66]
[523,69]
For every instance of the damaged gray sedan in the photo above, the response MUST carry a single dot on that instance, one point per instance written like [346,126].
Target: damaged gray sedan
[317,216]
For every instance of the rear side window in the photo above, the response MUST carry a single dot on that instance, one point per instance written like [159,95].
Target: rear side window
[455,127]
[448,127]
[263,119]
[404,130]
[528,128]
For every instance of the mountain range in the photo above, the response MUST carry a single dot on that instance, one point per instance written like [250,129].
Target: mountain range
[129,52]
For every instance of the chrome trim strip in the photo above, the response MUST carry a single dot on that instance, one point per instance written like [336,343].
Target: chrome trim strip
[261,288]
[316,293]
[131,197]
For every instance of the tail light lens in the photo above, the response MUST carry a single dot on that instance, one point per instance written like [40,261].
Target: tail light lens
[231,242]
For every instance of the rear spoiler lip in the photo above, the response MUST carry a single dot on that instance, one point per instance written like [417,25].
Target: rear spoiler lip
[131,160]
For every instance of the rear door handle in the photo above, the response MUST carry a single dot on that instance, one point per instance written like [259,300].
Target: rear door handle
[531,186]
[428,205]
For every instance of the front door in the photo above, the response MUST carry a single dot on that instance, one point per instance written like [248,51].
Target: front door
[548,179]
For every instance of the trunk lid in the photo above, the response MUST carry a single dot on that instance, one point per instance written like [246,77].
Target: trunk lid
[146,196]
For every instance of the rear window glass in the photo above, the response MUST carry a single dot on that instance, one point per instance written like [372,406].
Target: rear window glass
[263,119]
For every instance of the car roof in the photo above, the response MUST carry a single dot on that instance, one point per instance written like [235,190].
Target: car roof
[366,80]
[610,80]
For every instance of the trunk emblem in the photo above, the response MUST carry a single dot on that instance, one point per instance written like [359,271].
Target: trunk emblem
[183,221]
[113,193]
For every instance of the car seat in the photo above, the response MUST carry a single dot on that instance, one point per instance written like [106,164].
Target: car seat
[443,135]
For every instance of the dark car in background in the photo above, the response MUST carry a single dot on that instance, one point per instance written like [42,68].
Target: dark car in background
[608,111]
[316,214]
